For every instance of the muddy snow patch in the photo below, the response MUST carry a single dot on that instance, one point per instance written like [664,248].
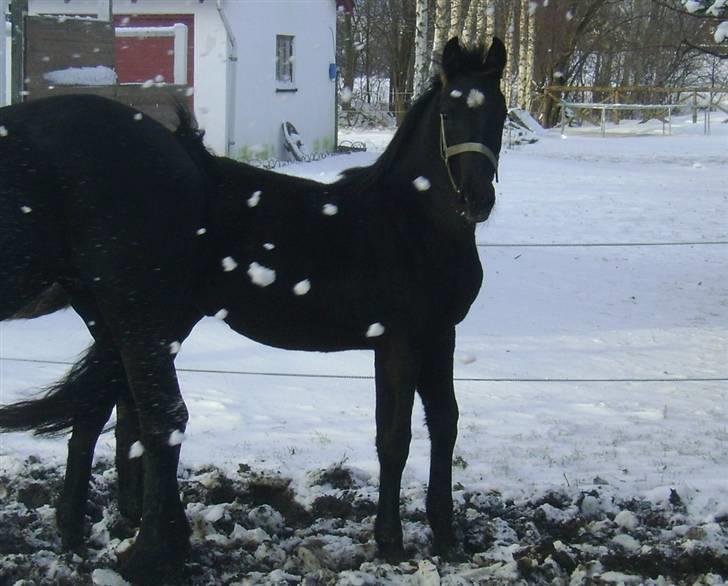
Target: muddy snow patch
[252,528]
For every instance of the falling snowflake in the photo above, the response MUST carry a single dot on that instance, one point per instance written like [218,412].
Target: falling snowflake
[138,116]
[456,94]
[269,246]
[174,347]
[229,264]
[3,131]
[302,287]
[254,199]
[375,330]
[421,183]
[475,98]
[176,438]
[26,209]
[260,275]
[330,209]
[201,231]
[222,314]
[136,450]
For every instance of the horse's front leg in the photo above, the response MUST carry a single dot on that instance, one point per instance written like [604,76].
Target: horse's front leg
[162,545]
[396,366]
[441,412]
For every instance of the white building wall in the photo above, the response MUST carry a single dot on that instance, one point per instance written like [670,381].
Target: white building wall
[260,109]
[210,43]
[252,124]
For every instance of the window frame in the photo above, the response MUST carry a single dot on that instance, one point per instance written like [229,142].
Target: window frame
[285,62]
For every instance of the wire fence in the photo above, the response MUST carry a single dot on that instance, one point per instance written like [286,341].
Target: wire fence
[540,380]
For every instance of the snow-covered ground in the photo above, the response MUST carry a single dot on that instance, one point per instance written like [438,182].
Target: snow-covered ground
[587,344]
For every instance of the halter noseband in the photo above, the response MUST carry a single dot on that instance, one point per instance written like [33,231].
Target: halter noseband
[463,147]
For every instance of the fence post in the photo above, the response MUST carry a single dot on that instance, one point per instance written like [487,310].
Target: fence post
[695,107]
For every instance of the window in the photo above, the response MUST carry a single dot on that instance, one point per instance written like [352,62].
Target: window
[284,59]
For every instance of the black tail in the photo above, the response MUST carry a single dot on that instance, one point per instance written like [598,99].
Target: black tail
[88,392]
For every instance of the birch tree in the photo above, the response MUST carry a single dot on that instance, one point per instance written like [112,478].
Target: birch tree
[526,52]
[470,27]
[442,21]
[456,11]
[507,82]
[422,53]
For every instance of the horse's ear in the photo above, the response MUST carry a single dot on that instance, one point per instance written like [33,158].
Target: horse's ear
[495,61]
[451,59]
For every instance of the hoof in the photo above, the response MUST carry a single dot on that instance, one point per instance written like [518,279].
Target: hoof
[152,566]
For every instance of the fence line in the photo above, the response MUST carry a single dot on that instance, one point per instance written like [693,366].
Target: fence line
[597,244]
[370,377]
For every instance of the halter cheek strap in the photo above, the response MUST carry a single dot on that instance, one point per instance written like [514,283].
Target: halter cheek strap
[464,147]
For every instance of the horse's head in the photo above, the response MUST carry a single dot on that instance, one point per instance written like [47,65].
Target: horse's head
[472,114]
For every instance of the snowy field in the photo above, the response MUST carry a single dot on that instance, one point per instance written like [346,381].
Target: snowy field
[597,363]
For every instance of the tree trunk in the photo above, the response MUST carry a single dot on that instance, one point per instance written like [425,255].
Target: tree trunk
[422,54]
[523,33]
[470,28]
[507,82]
[456,11]
[442,16]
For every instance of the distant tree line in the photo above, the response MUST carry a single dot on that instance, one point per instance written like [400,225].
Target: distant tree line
[606,43]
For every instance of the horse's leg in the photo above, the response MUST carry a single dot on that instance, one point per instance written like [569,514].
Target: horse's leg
[441,412]
[162,544]
[97,382]
[396,367]
[130,470]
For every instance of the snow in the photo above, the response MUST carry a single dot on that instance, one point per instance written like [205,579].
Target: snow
[136,450]
[625,323]
[3,131]
[456,94]
[330,209]
[375,330]
[475,98]
[260,275]
[302,287]
[99,75]
[421,183]
[254,199]
[26,209]
[229,264]
[176,438]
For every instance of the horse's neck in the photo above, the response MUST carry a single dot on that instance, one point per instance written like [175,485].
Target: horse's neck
[419,165]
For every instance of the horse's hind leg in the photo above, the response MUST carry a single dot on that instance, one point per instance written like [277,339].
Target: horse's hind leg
[129,469]
[162,544]
[97,383]
[441,413]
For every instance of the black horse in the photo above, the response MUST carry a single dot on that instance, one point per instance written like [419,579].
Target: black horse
[146,232]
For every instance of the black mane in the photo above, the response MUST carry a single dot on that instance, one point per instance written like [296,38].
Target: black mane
[471,61]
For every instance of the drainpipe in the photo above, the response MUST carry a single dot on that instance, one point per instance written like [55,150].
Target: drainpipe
[3,54]
[230,83]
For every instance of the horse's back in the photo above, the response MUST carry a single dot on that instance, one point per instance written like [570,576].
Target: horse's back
[101,191]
